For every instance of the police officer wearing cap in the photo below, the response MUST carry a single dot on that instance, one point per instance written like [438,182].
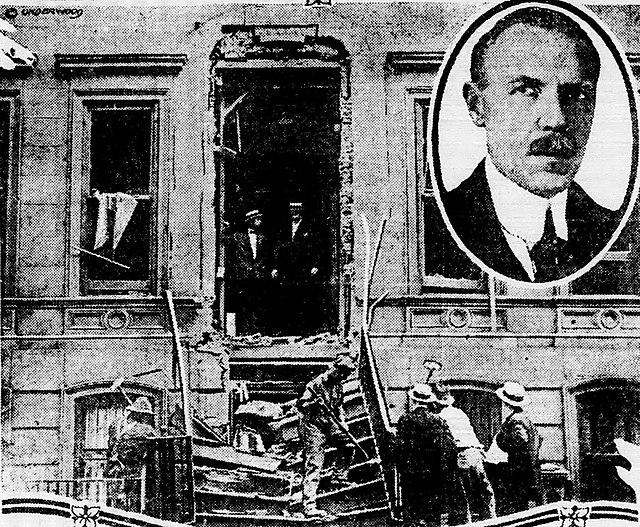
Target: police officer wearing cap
[426,458]
[519,438]
[127,454]
[317,429]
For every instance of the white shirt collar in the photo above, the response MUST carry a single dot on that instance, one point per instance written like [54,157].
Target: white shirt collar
[294,227]
[522,213]
[253,240]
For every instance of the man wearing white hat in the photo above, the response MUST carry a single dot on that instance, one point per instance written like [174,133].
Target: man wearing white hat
[519,438]
[252,268]
[426,458]
[303,261]
[471,455]
[127,453]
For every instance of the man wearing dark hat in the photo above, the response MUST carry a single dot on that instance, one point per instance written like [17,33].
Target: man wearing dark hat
[519,438]
[471,455]
[252,269]
[127,453]
[303,262]
[426,458]
[322,395]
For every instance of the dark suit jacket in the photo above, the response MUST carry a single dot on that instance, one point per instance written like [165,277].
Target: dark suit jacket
[300,254]
[470,210]
[519,438]
[240,257]
[427,460]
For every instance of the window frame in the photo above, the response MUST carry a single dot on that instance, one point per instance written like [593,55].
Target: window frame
[344,243]
[77,394]
[409,84]
[486,388]
[83,104]
[572,395]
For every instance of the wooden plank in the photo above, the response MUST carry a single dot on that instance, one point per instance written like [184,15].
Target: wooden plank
[230,456]
[182,364]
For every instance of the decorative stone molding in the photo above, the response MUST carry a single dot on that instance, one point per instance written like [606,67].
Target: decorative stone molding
[125,63]
[399,61]
[281,43]
[115,319]
[448,318]
[623,319]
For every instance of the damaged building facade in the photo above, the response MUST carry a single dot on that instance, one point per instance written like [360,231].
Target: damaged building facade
[130,154]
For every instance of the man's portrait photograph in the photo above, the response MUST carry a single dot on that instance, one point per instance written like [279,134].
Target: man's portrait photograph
[533,141]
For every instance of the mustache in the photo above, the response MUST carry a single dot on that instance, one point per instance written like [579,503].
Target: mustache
[553,145]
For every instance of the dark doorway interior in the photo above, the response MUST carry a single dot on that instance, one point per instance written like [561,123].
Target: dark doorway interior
[604,415]
[281,145]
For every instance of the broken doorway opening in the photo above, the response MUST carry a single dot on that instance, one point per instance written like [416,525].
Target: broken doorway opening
[280,145]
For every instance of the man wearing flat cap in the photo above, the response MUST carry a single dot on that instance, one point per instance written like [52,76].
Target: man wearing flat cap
[519,438]
[250,277]
[322,395]
[471,455]
[127,453]
[426,458]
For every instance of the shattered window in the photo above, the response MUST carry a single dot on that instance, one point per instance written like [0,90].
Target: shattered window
[119,201]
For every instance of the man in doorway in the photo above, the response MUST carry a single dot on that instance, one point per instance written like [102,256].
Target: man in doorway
[533,88]
[321,397]
[519,438]
[127,454]
[303,266]
[252,269]
[471,455]
[426,457]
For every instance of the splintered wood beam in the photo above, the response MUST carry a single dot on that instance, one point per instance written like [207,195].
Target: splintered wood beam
[100,256]
[228,455]
[182,365]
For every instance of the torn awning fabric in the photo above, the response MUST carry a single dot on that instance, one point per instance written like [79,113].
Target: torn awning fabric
[12,53]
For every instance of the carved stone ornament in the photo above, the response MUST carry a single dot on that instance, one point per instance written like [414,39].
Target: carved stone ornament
[243,43]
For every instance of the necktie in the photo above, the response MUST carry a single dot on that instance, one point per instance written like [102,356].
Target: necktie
[545,253]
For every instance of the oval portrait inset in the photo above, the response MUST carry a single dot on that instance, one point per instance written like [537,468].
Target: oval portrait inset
[533,141]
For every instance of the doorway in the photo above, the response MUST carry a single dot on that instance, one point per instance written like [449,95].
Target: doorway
[279,162]
[605,414]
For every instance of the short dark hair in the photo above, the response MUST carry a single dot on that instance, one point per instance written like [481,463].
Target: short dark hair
[545,19]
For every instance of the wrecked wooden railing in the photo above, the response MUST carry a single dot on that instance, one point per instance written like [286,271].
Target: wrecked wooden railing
[372,389]
[82,489]
[169,479]
[164,491]
[378,414]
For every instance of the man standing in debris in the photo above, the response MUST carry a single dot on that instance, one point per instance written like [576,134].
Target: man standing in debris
[426,458]
[470,455]
[519,438]
[127,454]
[323,395]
